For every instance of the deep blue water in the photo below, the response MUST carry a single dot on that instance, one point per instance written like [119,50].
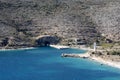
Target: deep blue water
[46,63]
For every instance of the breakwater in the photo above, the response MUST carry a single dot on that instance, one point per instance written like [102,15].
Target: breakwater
[75,55]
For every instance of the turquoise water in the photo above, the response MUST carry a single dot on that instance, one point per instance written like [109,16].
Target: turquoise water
[46,63]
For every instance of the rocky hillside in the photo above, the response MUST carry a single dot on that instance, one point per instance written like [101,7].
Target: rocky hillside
[21,21]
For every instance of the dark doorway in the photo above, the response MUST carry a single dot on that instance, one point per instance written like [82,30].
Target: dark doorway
[46,43]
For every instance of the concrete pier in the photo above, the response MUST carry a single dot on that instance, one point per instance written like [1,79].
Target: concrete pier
[76,55]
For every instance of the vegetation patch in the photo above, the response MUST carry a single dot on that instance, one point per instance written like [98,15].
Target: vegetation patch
[114,53]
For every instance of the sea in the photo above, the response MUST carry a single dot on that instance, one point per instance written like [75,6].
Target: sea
[46,63]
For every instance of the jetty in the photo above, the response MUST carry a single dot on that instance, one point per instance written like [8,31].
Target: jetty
[60,46]
[75,55]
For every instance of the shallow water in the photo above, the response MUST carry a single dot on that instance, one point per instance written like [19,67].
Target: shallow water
[46,63]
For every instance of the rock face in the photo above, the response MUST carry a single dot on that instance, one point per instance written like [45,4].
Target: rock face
[46,40]
[108,20]
[4,42]
[85,19]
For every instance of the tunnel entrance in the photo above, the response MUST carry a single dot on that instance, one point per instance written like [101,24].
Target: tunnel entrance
[42,43]
[46,43]
[46,40]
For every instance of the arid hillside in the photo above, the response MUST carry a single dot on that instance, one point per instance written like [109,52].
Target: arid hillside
[21,21]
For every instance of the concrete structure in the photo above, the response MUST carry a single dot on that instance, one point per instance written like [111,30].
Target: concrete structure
[76,55]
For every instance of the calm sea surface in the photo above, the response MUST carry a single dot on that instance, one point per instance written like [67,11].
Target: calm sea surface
[46,63]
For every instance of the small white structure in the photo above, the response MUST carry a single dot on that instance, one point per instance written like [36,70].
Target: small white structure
[94,46]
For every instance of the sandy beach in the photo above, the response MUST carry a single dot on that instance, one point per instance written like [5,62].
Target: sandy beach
[59,46]
[106,62]
[115,64]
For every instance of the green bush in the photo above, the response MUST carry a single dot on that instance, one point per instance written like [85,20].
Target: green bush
[115,53]
[107,45]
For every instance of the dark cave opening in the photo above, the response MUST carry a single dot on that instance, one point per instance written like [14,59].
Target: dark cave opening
[46,43]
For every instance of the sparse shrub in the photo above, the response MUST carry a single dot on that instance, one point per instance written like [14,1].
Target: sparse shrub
[115,52]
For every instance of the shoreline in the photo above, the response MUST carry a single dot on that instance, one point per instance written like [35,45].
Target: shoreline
[60,46]
[17,49]
[106,62]
[91,57]
[102,61]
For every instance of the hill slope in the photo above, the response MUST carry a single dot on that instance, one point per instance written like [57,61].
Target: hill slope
[89,20]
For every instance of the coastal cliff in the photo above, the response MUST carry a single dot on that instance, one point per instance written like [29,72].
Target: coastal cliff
[21,21]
